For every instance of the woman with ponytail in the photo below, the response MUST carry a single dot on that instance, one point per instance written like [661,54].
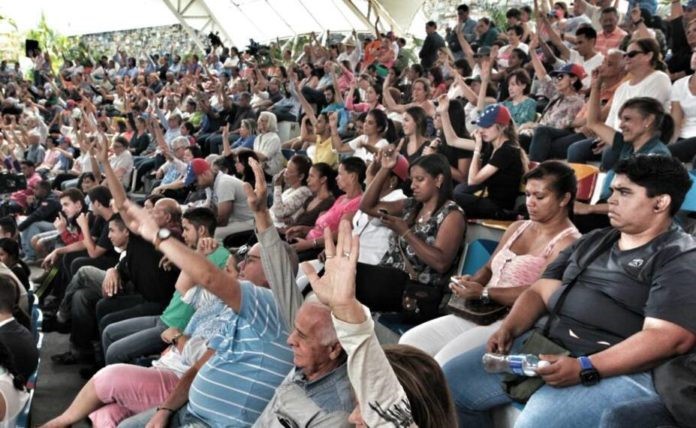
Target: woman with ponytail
[13,394]
[645,128]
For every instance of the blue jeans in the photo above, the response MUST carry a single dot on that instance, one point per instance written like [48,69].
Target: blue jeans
[136,337]
[645,413]
[476,392]
[28,233]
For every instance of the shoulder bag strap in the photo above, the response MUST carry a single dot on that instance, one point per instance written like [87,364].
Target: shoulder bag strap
[605,243]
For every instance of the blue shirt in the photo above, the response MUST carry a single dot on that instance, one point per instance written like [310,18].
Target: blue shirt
[247,143]
[625,151]
[251,359]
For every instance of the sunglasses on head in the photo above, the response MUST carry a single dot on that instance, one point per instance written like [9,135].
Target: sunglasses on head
[633,54]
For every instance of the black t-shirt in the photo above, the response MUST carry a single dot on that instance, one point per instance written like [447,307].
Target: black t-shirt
[100,232]
[141,267]
[619,289]
[504,186]
[681,51]
[453,154]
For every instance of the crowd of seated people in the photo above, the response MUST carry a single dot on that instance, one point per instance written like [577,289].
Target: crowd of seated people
[177,227]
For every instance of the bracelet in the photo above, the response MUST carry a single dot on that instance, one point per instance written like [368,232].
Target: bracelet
[403,235]
[167,409]
[314,243]
[477,152]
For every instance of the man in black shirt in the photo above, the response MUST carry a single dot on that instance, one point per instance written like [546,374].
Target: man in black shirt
[621,300]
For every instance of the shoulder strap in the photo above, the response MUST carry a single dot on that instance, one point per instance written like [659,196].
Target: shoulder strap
[516,234]
[562,234]
[604,244]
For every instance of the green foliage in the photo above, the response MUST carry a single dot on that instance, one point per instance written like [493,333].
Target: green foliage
[495,10]
[59,47]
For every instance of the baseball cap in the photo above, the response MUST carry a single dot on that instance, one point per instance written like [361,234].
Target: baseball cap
[401,168]
[197,167]
[494,114]
[572,69]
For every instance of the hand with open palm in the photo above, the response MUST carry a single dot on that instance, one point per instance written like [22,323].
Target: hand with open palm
[336,288]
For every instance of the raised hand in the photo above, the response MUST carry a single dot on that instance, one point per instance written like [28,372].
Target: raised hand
[336,288]
[256,197]
[141,221]
[442,104]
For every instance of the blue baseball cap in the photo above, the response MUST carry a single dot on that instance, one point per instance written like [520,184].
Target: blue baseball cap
[494,114]
[196,167]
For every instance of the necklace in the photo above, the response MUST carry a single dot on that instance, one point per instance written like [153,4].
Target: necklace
[422,218]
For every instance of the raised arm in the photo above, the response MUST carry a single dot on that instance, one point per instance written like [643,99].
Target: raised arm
[452,138]
[306,106]
[388,100]
[555,38]
[539,70]
[201,271]
[606,133]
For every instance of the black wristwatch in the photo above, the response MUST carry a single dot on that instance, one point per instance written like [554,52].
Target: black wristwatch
[162,235]
[588,374]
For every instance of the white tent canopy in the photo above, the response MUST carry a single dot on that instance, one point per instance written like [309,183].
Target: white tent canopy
[236,20]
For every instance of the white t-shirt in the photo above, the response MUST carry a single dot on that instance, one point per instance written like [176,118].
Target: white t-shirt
[657,85]
[588,65]
[687,100]
[14,399]
[229,188]
[506,51]
[123,161]
[362,152]
[374,236]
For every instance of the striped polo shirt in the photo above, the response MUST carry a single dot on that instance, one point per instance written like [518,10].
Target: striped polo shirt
[251,359]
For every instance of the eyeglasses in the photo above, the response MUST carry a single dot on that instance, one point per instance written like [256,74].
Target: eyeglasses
[633,54]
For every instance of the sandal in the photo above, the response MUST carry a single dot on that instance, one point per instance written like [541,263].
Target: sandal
[65,359]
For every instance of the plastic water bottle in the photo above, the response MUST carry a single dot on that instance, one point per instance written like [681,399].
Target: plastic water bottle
[519,364]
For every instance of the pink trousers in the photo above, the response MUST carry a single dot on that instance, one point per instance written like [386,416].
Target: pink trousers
[127,389]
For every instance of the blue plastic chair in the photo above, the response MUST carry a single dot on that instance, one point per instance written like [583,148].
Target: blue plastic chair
[23,416]
[689,204]
[477,254]
[36,321]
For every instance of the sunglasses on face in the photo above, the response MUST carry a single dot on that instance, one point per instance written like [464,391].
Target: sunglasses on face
[633,54]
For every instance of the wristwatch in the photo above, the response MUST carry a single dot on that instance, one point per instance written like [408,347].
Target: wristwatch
[162,235]
[484,295]
[588,374]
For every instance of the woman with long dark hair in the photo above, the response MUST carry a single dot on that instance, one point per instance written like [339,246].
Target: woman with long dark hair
[520,258]
[13,394]
[351,180]
[428,227]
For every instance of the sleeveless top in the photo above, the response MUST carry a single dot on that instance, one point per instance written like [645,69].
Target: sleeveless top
[512,270]
[425,231]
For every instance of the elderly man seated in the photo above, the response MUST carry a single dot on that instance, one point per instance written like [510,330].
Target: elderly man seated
[317,391]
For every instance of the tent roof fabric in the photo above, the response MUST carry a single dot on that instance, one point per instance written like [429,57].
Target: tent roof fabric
[237,20]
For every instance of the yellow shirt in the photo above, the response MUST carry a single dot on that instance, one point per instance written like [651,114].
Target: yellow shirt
[324,152]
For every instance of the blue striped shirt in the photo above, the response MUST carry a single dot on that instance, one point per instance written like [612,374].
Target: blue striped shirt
[251,359]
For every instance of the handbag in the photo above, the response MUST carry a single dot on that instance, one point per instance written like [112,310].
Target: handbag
[478,311]
[675,382]
[419,302]
[520,388]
